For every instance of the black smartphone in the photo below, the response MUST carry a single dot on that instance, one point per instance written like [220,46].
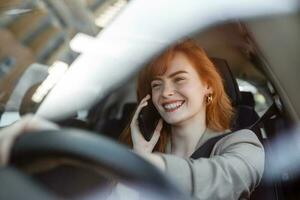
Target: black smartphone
[148,120]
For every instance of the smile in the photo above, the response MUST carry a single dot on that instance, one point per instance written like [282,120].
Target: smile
[171,107]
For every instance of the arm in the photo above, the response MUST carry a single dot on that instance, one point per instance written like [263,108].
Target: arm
[154,159]
[233,172]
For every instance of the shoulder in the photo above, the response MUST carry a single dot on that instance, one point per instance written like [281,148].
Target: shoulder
[241,139]
[244,135]
[245,153]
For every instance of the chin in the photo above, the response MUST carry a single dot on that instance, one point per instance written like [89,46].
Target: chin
[173,120]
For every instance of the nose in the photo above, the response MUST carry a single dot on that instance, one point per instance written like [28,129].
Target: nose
[168,90]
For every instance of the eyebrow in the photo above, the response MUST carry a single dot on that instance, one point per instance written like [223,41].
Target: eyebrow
[171,75]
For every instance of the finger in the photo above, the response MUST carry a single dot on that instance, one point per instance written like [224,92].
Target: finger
[146,98]
[157,132]
[4,150]
[159,126]
[37,123]
[6,142]
[138,110]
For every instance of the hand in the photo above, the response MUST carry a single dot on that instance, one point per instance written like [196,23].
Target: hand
[140,144]
[9,134]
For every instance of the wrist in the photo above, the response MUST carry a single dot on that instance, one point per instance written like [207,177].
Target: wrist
[154,159]
[141,149]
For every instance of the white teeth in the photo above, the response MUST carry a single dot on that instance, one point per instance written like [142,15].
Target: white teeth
[173,105]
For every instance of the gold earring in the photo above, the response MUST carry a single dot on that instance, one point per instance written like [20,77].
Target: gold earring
[209,99]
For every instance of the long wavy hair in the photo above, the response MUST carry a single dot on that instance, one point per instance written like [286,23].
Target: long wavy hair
[218,113]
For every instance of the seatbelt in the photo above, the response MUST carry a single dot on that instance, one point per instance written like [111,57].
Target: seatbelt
[267,115]
[205,150]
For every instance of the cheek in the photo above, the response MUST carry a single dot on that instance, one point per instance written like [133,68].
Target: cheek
[192,92]
[189,89]
[155,97]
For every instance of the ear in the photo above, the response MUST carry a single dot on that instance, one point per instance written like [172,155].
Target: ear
[208,89]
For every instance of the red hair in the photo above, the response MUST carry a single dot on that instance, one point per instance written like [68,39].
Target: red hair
[218,113]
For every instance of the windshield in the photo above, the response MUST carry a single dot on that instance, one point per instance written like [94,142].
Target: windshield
[75,47]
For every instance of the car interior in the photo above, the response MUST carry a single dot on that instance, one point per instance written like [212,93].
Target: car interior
[244,52]
[245,118]
[267,122]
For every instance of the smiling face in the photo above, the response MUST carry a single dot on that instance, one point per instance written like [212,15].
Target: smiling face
[179,93]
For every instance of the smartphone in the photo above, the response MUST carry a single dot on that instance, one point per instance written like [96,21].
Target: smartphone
[148,120]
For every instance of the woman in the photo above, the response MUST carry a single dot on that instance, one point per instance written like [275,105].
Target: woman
[188,93]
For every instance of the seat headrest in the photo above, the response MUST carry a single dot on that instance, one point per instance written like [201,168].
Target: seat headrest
[230,84]
[247,99]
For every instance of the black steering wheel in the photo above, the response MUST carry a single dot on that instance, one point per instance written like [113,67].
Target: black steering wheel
[102,152]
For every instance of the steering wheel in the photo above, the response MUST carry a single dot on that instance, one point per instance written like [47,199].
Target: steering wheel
[94,149]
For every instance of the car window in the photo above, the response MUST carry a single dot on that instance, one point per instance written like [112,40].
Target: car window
[39,40]
[260,96]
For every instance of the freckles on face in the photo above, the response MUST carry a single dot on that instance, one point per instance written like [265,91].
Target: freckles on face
[178,94]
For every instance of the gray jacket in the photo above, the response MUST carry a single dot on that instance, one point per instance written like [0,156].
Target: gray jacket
[234,169]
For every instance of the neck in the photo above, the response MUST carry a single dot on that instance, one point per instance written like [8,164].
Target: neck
[186,135]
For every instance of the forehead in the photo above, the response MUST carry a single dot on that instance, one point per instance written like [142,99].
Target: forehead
[179,62]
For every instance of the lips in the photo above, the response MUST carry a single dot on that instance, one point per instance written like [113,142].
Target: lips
[172,106]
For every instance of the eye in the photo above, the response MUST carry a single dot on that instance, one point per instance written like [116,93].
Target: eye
[155,85]
[179,79]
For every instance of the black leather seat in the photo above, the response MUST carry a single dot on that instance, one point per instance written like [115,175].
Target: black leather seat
[243,102]
[230,84]
[246,117]
[113,127]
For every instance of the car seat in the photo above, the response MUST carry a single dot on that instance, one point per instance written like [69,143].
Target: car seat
[246,117]
[243,102]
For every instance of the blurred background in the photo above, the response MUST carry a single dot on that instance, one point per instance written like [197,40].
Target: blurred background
[36,36]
